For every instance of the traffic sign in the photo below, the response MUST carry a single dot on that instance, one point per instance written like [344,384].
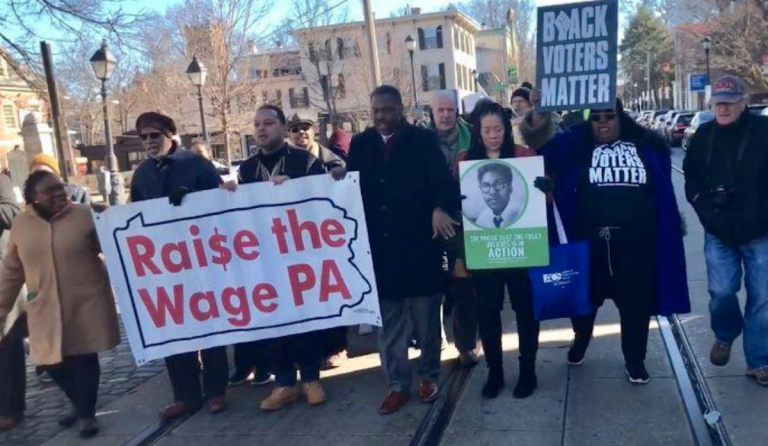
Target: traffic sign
[697,82]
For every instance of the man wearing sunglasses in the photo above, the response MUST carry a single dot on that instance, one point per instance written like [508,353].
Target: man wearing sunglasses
[301,133]
[172,172]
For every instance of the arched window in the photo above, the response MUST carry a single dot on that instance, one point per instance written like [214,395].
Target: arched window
[340,50]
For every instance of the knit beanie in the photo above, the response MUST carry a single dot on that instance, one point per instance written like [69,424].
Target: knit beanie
[522,92]
[45,160]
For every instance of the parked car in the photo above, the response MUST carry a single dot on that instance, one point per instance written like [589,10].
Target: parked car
[676,128]
[655,118]
[757,109]
[698,119]
[645,117]
[660,127]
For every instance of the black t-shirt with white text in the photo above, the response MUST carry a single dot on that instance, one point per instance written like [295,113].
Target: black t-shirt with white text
[614,191]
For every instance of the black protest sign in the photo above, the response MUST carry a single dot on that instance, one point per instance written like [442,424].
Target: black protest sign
[576,56]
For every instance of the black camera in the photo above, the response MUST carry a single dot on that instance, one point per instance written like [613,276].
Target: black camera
[722,196]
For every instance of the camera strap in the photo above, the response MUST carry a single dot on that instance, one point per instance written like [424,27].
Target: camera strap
[739,154]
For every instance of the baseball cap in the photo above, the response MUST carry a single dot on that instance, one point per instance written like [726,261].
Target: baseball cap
[728,89]
[296,120]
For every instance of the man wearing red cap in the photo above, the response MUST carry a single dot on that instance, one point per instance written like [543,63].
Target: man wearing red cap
[726,181]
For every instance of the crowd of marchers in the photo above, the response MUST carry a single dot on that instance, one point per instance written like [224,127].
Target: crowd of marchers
[54,287]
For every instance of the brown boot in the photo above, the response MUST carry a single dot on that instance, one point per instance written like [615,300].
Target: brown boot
[8,423]
[281,397]
[315,393]
[720,353]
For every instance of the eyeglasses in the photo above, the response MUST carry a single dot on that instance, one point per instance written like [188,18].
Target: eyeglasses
[300,128]
[153,135]
[498,186]
[602,116]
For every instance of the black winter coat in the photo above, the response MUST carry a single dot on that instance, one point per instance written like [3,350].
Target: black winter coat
[400,192]
[181,168]
[714,159]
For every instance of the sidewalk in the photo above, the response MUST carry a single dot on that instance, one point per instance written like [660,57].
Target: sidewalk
[46,403]
[742,402]
[589,405]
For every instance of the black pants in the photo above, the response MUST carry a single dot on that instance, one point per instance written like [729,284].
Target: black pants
[464,313]
[621,269]
[334,341]
[304,350]
[78,376]
[490,297]
[250,355]
[184,373]
[13,371]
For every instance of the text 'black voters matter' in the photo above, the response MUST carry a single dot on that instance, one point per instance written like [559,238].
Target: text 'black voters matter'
[576,66]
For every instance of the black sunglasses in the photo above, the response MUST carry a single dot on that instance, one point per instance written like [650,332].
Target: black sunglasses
[300,128]
[153,135]
[602,116]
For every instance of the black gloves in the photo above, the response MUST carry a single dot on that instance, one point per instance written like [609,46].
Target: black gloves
[544,184]
[177,195]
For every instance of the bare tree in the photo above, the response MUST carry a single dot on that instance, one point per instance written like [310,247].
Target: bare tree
[219,33]
[23,23]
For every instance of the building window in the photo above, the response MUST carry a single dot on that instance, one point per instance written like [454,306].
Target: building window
[300,100]
[431,38]
[456,37]
[341,88]
[278,98]
[325,86]
[255,73]
[9,116]
[312,50]
[433,77]
[264,97]
[389,43]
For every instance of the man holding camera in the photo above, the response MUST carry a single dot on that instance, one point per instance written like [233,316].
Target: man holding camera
[726,174]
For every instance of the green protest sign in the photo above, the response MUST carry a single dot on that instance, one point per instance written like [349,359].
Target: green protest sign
[504,215]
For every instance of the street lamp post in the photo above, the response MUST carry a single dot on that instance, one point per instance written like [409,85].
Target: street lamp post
[104,63]
[197,74]
[410,45]
[707,44]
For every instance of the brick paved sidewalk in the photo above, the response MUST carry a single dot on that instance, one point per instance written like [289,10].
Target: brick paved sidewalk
[46,403]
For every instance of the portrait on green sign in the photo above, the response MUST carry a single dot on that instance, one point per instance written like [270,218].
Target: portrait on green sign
[496,195]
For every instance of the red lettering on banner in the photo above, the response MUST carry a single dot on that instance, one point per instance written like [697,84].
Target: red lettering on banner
[197,312]
[302,279]
[241,314]
[279,230]
[142,260]
[199,247]
[246,240]
[332,282]
[164,305]
[298,229]
[331,228]
[263,293]
[184,262]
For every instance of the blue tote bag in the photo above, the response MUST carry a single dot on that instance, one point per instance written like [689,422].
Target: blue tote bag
[561,290]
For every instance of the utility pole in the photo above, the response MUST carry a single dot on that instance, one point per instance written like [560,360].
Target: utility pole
[374,50]
[648,76]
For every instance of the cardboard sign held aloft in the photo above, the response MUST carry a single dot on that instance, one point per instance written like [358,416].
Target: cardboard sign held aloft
[576,59]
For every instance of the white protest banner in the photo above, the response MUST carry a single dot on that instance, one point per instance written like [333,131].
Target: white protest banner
[224,268]
[576,55]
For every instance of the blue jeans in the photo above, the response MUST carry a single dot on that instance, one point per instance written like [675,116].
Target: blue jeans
[725,266]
